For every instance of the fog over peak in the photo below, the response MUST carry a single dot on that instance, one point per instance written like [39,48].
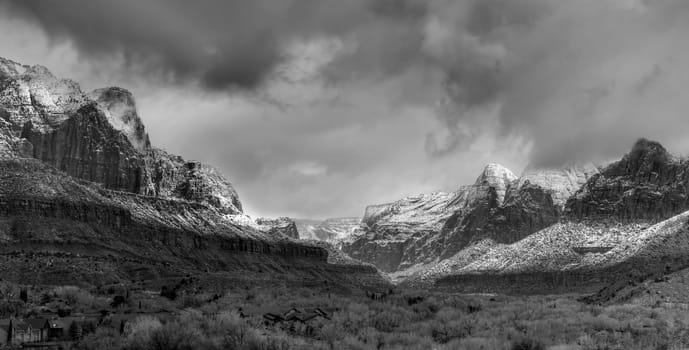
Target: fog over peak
[316,108]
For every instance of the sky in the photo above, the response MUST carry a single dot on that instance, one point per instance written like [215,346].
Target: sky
[318,108]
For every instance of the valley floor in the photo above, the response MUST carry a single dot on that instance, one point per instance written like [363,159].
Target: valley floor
[320,318]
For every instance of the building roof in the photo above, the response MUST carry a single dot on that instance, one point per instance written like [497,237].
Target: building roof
[36,323]
[57,324]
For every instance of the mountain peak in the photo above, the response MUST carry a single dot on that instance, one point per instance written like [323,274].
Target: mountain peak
[496,176]
[646,157]
[646,146]
[120,109]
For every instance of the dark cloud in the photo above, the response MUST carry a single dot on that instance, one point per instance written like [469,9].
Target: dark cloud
[580,80]
[225,44]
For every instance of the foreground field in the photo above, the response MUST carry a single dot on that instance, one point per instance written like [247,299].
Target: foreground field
[239,319]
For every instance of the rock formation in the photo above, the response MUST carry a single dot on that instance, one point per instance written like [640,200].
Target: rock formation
[647,184]
[98,189]
[629,219]
[498,207]
[405,233]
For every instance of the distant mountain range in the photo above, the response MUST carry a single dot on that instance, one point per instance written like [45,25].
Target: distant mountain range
[333,230]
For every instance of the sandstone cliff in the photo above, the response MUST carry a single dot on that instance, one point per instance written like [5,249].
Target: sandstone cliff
[647,184]
[103,202]
[100,137]
[628,212]
[416,233]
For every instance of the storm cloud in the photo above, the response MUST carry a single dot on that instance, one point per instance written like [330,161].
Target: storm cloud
[320,107]
[224,44]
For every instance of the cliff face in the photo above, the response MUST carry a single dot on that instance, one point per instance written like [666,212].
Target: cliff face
[98,191]
[534,201]
[498,208]
[417,230]
[628,220]
[280,227]
[120,109]
[99,137]
[647,184]
[84,145]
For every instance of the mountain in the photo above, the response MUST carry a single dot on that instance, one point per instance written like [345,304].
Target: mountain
[89,200]
[333,230]
[410,231]
[626,224]
[416,233]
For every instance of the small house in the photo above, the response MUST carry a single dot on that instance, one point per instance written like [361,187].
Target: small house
[26,331]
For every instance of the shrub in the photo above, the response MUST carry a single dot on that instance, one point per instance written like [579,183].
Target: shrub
[102,339]
[475,344]
[168,292]
[74,296]
[141,332]
[176,336]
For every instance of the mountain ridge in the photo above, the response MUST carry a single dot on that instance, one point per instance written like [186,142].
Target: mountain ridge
[635,208]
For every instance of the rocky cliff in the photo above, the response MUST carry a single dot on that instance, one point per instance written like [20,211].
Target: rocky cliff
[97,190]
[99,137]
[405,233]
[647,184]
[630,219]
[417,233]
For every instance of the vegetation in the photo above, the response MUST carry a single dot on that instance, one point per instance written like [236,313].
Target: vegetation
[401,320]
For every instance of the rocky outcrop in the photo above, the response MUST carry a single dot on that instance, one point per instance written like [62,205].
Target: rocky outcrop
[535,201]
[172,176]
[647,184]
[120,108]
[281,227]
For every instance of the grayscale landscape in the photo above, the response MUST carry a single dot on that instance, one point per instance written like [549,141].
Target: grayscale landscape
[364,174]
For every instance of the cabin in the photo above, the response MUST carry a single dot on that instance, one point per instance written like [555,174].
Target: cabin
[16,331]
